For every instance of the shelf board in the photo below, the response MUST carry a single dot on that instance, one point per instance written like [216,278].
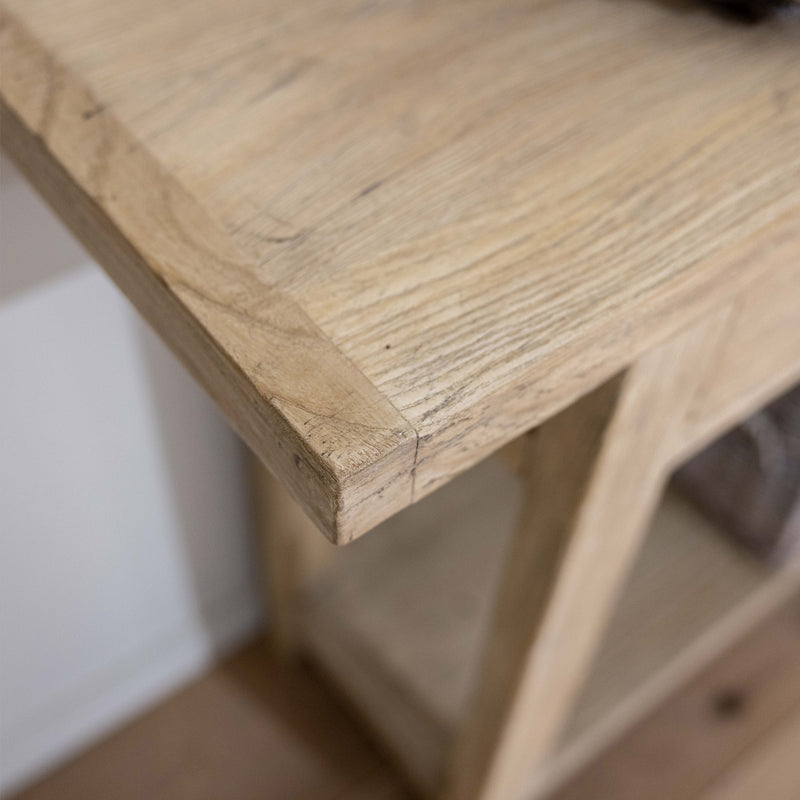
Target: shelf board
[399,618]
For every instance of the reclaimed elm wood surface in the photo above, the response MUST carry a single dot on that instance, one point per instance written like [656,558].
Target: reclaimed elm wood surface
[390,237]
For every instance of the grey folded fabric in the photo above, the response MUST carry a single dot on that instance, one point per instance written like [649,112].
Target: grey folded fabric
[748,481]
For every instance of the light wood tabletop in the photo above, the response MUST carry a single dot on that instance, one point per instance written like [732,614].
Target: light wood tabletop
[389,238]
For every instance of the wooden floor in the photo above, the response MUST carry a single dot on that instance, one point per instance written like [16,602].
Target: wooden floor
[732,734]
[250,729]
[254,729]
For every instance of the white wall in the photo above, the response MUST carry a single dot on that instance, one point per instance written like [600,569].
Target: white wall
[125,552]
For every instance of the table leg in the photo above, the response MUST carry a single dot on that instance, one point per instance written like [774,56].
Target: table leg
[293,551]
[594,474]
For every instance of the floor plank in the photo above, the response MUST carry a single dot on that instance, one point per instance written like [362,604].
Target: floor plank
[712,729]
[769,772]
[251,728]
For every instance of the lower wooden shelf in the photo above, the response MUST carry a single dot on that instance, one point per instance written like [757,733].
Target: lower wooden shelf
[399,618]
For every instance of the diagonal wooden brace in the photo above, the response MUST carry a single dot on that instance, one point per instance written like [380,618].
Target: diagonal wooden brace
[594,475]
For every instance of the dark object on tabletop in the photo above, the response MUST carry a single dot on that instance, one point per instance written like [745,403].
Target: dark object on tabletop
[752,10]
[749,481]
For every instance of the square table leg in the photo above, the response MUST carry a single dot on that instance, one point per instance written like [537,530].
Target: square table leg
[293,552]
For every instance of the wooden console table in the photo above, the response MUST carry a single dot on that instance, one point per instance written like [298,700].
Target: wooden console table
[391,238]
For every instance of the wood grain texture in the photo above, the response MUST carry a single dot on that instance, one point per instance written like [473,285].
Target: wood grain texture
[390,238]
[303,408]
[759,356]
